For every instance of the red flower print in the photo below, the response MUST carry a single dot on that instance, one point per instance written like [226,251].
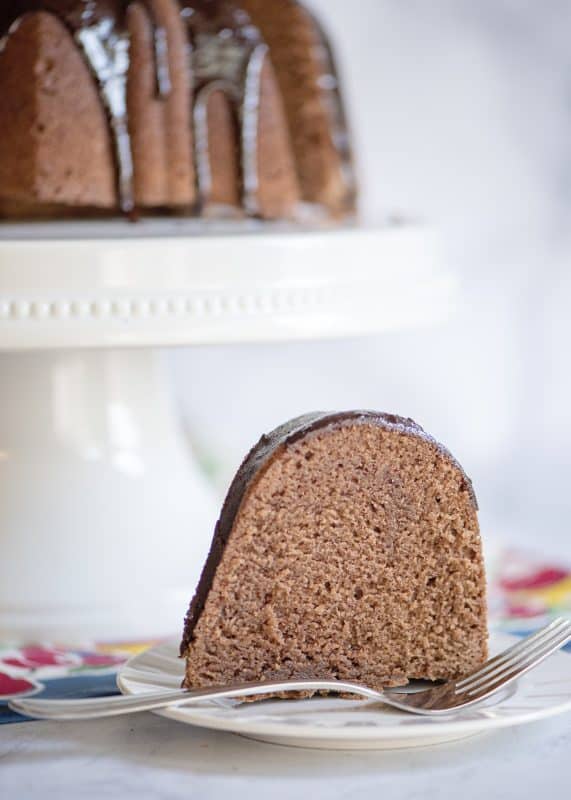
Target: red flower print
[539,578]
[525,612]
[11,687]
[35,657]
[99,659]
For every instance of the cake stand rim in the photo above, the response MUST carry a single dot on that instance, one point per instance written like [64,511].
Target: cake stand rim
[273,285]
[195,229]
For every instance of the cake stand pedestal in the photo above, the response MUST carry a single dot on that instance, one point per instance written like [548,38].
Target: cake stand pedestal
[105,516]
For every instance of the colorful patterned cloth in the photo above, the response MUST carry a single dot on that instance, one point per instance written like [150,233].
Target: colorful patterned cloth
[525,592]
[61,671]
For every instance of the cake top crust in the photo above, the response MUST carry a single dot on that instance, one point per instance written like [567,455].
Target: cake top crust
[261,455]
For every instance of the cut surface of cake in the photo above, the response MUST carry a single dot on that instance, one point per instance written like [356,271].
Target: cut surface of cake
[191,107]
[348,547]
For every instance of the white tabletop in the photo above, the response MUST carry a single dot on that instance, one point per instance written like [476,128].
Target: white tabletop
[147,756]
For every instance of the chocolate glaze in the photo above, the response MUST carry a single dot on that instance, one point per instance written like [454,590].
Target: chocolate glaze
[227,54]
[262,454]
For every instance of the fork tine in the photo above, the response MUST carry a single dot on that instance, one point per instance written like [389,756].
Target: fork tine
[523,666]
[529,651]
[515,649]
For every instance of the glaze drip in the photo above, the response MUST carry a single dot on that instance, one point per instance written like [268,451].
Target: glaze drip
[227,55]
[106,50]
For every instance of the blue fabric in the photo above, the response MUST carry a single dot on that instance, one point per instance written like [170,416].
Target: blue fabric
[76,686]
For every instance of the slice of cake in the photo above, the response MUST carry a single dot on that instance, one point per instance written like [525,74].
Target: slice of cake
[348,547]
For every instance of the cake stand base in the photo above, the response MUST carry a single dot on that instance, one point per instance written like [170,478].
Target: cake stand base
[105,519]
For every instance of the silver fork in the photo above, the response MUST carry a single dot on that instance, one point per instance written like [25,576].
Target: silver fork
[495,674]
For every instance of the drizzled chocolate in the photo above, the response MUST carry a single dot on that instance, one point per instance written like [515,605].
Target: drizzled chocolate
[227,55]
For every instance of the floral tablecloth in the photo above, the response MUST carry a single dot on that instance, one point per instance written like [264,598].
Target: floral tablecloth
[524,593]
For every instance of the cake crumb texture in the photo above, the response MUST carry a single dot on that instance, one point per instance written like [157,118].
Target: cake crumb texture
[355,554]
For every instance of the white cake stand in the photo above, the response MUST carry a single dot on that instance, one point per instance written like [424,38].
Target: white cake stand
[105,518]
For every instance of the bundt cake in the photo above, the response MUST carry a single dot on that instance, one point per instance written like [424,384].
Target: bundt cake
[348,547]
[192,107]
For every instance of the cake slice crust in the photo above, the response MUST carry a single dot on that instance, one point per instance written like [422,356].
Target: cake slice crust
[348,547]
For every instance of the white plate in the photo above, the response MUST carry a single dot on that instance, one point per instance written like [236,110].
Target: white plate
[352,725]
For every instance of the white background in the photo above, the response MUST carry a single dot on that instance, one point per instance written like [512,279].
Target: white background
[461,116]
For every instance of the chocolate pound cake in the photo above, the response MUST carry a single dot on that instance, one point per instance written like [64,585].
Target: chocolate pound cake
[348,547]
[169,107]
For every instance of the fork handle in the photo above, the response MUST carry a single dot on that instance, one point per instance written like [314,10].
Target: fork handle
[97,707]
